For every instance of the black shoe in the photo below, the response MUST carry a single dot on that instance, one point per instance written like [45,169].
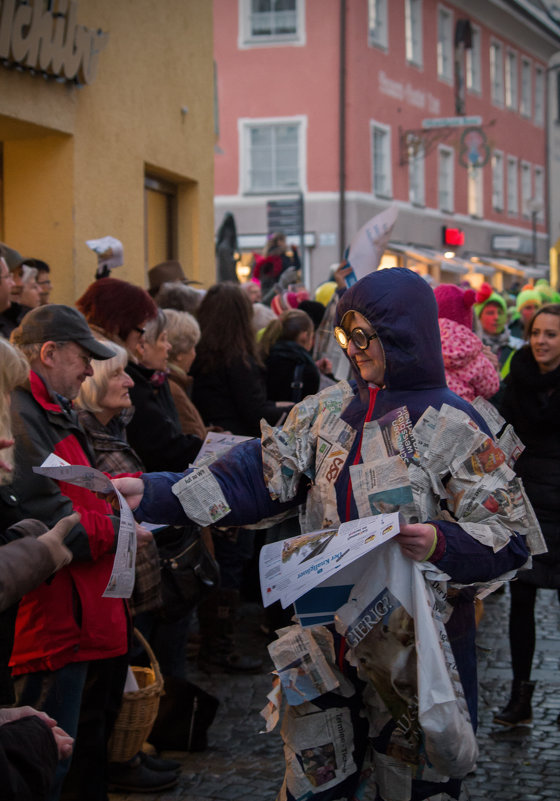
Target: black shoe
[518,710]
[158,764]
[137,778]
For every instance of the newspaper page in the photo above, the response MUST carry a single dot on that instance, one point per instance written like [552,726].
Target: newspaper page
[424,430]
[121,581]
[201,497]
[511,445]
[271,712]
[381,487]
[455,437]
[320,748]
[291,568]
[390,435]
[301,665]
[215,445]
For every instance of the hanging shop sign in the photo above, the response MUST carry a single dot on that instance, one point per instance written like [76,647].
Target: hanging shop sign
[47,42]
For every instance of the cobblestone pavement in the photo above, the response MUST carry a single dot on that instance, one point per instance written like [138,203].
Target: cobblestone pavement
[520,764]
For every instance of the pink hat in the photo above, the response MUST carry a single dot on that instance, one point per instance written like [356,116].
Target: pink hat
[455,303]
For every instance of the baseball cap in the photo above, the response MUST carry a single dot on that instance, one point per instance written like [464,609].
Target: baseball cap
[60,324]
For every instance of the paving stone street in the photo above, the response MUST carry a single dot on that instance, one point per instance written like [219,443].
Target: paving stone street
[520,764]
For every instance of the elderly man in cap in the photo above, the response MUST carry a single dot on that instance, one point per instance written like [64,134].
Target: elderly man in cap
[71,643]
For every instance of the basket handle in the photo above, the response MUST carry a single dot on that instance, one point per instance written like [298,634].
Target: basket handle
[152,657]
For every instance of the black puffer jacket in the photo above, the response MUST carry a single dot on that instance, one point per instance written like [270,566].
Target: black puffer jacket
[281,364]
[531,403]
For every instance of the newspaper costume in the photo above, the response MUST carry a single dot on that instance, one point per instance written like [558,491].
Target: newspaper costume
[354,449]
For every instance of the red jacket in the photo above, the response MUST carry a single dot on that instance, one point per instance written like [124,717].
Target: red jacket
[65,619]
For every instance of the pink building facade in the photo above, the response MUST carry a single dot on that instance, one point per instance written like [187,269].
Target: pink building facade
[438,107]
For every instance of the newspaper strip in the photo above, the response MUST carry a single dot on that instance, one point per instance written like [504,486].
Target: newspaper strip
[121,581]
[215,445]
[301,665]
[320,748]
[290,568]
[382,487]
[390,435]
[511,445]
[201,497]
[271,712]
[489,414]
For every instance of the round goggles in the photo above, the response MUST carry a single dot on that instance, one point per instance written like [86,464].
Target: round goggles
[358,336]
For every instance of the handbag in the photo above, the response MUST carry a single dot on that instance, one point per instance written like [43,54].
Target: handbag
[189,572]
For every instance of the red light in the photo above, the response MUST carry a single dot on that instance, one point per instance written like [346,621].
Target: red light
[453,236]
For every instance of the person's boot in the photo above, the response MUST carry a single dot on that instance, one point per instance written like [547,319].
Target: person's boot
[518,711]
[217,618]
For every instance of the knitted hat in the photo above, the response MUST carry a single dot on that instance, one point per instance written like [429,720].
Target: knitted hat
[486,295]
[547,293]
[528,296]
[287,300]
[455,303]
[325,291]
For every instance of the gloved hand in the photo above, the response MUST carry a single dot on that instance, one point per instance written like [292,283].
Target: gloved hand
[54,539]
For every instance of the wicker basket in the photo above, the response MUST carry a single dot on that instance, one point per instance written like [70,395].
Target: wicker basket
[138,711]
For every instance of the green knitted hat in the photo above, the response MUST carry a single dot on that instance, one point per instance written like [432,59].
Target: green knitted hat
[486,295]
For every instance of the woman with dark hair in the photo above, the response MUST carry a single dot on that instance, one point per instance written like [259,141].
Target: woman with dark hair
[291,373]
[117,310]
[229,379]
[531,403]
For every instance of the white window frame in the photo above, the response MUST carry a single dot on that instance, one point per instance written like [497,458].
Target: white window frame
[539,191]
[475,191]
[414,44]
[378,24]
[526,188]
[539,95]
[497,73]
[498,180]
[417,177]
[386,131]
[473,62]
[512,186]
[246,39]
[449,154]
[444,48]
[244,126]
[511,80]
[526,93]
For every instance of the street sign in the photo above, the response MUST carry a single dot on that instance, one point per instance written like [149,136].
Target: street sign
[285,215]
[451,122]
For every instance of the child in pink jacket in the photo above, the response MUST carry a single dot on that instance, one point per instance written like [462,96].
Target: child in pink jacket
[468,371]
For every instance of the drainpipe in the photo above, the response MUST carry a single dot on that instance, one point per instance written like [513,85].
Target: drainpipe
[342,133]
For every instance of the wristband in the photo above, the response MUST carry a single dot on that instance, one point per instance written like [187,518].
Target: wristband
[433,545]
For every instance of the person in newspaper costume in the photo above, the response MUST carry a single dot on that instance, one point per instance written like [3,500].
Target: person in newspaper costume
[396,437]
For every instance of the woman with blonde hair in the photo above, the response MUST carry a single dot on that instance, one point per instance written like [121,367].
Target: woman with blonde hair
[183,333]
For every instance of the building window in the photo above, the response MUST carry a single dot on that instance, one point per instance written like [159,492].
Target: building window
[271,21]
[381,160]
[539,193]
[497,181]
[511,79]
[512,188]
[413,31]
[497,73]
[525,107]
[416,176]
[526,189]
[475,191]
[445,45]
[473,61]
[378,23]
[445,178]
[272,156]
[539,96]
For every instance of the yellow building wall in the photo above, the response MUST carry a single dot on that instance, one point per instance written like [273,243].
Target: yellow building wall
[149,109]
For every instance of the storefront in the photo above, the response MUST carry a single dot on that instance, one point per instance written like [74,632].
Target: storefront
[107,128]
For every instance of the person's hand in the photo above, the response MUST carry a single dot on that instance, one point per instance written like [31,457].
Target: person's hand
[417,540]
[340,274]
[64,742]
[131,488]
[54,539]
[5,443]
[143,536]
[324,365]
[491,356]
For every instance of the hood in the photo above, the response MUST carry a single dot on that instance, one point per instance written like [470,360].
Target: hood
[403,310]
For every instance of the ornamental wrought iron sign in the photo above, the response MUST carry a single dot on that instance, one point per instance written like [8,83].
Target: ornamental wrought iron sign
[36,39]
